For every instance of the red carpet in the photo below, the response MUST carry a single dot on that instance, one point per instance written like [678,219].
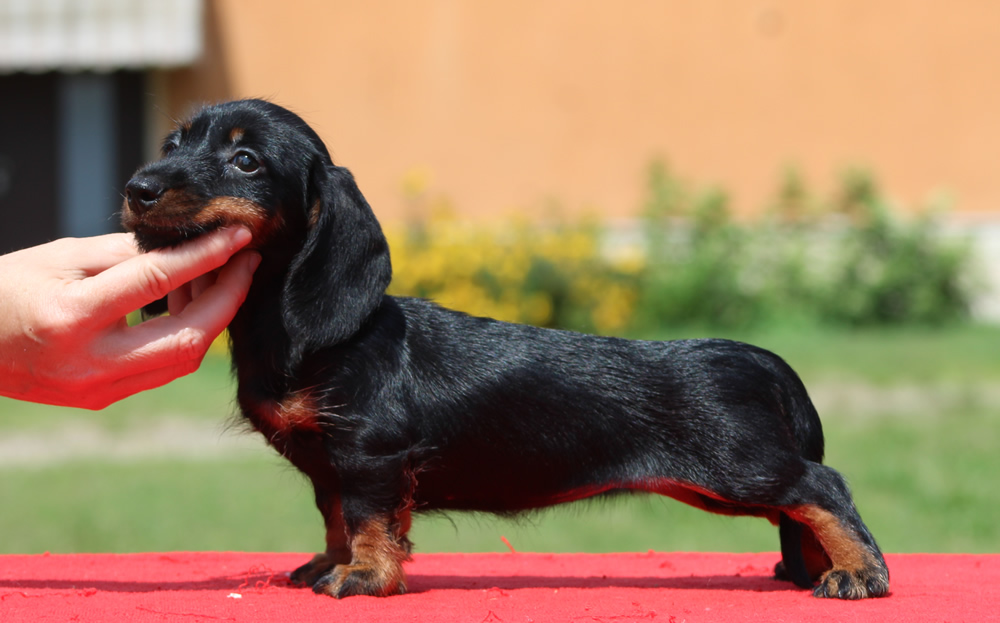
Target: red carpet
[672,588]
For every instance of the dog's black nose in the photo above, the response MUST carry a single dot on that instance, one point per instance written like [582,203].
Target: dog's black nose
[142,193]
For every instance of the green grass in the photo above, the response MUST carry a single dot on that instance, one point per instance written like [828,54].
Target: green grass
[246,504]
[924,482]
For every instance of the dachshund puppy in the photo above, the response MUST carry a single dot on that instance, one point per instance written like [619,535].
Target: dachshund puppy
[394,405]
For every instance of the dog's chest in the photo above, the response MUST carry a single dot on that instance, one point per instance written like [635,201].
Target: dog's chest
[281,420]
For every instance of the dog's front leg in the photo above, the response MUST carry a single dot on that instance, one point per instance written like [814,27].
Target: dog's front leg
[371,520]
[378,547]
[338,551]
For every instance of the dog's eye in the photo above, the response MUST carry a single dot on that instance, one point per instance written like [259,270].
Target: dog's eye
[245,162]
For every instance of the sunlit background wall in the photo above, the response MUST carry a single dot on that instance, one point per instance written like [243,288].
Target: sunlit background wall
[519,107]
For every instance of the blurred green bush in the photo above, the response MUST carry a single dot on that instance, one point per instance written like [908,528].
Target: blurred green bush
[846,259]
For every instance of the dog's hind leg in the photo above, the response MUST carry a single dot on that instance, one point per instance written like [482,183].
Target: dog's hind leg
[822,536]
[803,559]
[822,502]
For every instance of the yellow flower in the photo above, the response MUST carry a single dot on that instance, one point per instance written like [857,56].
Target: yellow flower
[486,269]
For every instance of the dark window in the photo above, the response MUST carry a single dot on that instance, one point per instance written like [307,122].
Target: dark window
[68,144]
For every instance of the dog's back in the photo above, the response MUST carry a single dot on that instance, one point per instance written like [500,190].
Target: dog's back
[585,414]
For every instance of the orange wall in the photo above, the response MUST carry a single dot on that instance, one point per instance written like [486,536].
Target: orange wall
[505,105]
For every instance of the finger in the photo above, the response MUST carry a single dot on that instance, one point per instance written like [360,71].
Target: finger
[202,283]
[180,338]
[182,296]
[108,393]
[145,278]
[212,309]
[77,258]
[130,385]
[99,253]
[179,299]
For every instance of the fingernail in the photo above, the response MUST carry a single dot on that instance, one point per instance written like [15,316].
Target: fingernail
[242,235]
[234,231]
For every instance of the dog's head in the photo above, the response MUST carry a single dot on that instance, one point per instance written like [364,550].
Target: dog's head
[256,164]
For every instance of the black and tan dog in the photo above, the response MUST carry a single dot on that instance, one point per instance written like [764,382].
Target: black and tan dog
[395,405]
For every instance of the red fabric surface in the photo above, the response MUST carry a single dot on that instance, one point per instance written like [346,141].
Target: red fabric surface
[482,588]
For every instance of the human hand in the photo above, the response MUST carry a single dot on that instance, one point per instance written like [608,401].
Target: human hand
[64,339]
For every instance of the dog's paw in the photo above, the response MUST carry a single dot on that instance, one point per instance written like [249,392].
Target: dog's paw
[349,580]
[843,584]
[320,565]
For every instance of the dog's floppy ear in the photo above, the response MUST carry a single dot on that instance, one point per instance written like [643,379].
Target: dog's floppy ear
[339,277]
